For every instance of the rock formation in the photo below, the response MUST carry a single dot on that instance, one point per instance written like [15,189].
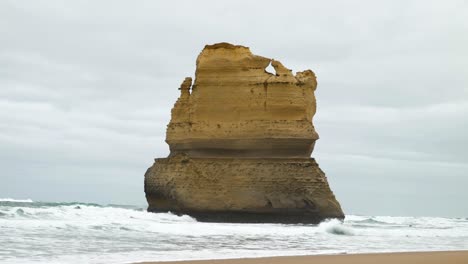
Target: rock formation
[240,142]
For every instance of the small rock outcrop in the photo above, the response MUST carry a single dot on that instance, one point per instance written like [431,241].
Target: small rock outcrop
[240,143]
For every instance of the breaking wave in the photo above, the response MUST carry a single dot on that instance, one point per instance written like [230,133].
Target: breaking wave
[16,200]
[336,227]
[97,233]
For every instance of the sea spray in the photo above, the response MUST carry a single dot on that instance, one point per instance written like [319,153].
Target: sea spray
[16,200]
[335,227]
[45,232]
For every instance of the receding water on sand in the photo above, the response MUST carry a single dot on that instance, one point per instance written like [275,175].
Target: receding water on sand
[92,233]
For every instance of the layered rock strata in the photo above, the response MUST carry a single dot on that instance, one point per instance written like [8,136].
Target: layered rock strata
[240,142]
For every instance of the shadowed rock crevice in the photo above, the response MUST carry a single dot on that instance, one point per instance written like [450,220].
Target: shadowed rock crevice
[240,141]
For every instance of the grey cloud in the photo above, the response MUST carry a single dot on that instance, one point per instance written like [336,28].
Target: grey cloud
[86,90]
[431,133]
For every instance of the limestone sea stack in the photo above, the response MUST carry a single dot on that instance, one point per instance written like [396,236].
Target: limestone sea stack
[240,143]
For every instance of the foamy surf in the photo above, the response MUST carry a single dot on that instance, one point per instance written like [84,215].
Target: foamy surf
[16,200]
[38,232]
[336,227]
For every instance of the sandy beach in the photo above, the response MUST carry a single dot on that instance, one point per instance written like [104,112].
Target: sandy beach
[452,257]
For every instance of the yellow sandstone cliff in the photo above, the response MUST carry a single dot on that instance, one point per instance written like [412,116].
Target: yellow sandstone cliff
[240,141]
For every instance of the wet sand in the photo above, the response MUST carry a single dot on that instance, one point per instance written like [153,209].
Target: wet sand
[436,257]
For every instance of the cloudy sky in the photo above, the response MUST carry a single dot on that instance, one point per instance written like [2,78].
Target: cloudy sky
[86,89]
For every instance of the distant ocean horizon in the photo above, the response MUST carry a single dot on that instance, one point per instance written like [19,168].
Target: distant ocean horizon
[54,232]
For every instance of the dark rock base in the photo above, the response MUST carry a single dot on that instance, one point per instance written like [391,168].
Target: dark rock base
[252,217]
[245,190]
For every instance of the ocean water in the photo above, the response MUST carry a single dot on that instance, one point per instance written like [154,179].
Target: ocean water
[32,232]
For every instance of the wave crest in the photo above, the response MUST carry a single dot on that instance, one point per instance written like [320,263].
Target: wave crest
[335,227]
[11,200]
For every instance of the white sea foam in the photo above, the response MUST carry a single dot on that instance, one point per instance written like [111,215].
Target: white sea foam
[335,227]
[16,200]
[91,233]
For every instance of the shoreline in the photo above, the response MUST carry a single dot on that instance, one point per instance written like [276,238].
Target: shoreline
[426,257]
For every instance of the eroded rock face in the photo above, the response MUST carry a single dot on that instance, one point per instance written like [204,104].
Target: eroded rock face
[240,141]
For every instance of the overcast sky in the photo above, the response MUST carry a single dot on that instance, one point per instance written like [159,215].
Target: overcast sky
[86,89]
